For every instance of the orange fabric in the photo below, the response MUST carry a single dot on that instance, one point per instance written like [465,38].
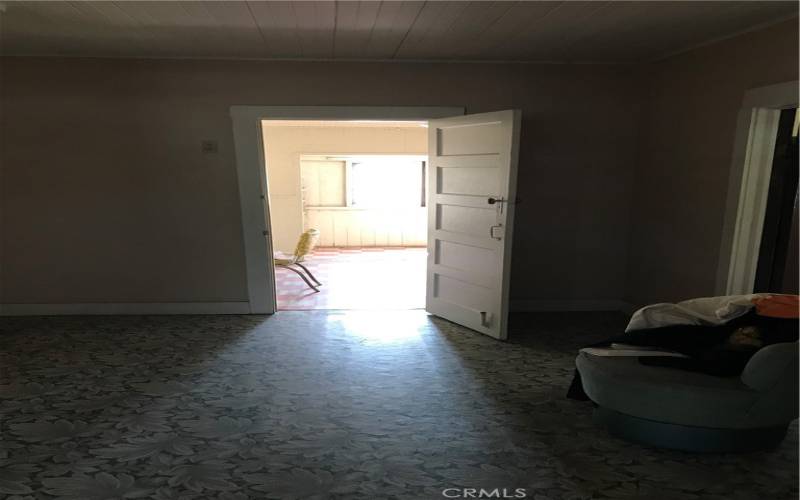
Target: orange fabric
[778,306]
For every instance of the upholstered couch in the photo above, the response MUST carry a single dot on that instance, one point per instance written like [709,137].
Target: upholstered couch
[684,410]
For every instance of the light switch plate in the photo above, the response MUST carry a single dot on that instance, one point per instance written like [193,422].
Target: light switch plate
[208,146]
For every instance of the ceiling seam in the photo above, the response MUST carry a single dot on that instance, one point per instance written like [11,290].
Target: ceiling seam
[495,21]
[538,20]
[374,22]
[335,27]
[410,27]
[296,31]
[258,26]
[136,36]
[700,45]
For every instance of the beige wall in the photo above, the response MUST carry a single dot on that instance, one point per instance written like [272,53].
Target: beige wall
[684,158]
[285,144]
[107,196]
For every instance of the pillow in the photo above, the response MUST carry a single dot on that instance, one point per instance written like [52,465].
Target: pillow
[778,306]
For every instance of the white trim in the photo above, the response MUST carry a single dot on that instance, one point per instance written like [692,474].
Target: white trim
[159,308]
[778,96]
[124,308]
[375,113]
[251,173]
[580,305]
[748,185]
[753,193]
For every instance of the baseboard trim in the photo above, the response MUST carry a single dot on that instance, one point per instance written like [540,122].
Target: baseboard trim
[571,305]
[91,309]
[125,308]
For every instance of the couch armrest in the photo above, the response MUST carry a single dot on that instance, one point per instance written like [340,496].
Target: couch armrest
[773,365]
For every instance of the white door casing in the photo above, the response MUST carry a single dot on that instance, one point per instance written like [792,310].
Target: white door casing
[471,197]
[251,174]
[748,185]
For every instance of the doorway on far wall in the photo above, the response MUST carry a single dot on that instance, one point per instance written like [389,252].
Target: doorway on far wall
[777,268]
[356,189]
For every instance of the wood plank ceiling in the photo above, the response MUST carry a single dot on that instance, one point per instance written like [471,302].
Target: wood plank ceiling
[594,31]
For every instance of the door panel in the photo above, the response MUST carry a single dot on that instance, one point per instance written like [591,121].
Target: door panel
[464,257]
[479,181]
[465,220]
[469,139]
[472,190]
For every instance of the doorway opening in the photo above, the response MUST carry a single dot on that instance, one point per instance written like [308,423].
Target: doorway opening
[470,197]
[348,213]
[777,266]
[757,232]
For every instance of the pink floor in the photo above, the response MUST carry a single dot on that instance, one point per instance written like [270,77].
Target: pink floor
[357,278]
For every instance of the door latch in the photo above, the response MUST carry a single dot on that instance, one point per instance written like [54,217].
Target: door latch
[492,200]
[492,232]
[500,202]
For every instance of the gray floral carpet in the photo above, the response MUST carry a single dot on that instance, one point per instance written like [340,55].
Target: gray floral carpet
[321,405]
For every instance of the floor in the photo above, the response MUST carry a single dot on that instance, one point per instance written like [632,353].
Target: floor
[357,278]
[328,405]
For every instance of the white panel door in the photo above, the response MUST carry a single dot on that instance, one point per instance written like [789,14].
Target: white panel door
[471,193]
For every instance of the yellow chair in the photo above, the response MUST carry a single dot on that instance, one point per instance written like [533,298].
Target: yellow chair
[305,245]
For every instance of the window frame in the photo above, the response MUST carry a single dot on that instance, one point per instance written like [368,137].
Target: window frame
[349,160]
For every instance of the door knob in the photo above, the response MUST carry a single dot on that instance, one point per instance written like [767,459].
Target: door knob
[492,200]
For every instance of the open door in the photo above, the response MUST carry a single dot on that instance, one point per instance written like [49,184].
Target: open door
[472,184]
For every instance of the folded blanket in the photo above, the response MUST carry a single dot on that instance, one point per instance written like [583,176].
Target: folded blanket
[705,311]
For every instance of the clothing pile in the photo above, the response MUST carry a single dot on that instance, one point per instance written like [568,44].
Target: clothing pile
[712,335]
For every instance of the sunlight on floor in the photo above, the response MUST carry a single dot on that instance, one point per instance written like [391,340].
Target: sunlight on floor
[357,278]
[372,325]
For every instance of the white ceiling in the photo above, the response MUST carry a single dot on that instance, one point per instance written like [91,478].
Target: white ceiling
[391,30]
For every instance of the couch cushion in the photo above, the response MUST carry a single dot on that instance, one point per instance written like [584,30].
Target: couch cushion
[665,394]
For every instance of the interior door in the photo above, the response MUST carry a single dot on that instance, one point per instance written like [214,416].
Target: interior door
[472,191]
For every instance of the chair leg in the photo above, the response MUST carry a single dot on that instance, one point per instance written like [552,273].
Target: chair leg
[315,280]
[310,285]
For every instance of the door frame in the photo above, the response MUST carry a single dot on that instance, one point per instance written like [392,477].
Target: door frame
[748,185]
[252,179]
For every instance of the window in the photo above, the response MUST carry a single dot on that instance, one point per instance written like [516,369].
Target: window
[323,183]
[363,182]
[386,183]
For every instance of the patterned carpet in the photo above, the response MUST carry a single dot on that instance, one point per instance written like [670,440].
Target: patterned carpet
[372,405]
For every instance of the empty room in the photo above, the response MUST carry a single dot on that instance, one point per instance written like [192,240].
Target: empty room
[399,250]
[347,208]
